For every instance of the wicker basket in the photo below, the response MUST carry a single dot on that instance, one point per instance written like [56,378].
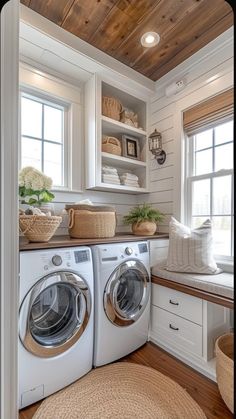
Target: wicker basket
[129,117]
[39,228]
[111,107]
[90,221]
[111,145]
[225,368]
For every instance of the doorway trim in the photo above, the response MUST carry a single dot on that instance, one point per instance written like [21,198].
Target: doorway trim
[9,29]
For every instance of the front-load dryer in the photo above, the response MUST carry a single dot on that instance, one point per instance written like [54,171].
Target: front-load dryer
[122,299]
[55,320]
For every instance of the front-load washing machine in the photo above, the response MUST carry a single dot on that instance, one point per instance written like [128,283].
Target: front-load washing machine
[55,320]
[122,299]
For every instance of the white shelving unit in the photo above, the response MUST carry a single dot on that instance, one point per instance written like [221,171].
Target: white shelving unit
[98,125]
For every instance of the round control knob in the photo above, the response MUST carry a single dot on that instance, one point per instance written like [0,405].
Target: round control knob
[128,251]
[57,260]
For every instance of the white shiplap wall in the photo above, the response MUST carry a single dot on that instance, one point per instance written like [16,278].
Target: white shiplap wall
[42,82]
[207,72]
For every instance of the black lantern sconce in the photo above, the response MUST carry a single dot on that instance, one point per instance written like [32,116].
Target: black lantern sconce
[155,146]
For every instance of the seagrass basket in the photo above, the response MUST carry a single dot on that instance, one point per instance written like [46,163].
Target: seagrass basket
[39,228]
[225,368]
[111,107]
[90,221]
[111,145]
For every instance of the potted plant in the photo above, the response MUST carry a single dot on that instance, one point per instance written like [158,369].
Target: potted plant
[143,219]
[34,188]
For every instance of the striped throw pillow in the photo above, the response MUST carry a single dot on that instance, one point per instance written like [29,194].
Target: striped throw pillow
[191,250]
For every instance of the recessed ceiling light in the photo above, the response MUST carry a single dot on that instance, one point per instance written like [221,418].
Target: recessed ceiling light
[150,39]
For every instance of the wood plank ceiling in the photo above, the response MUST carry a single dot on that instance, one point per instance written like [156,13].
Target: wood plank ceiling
[116,26]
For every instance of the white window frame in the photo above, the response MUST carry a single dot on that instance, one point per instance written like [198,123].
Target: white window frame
[49,88]
[56,103]
[189,179]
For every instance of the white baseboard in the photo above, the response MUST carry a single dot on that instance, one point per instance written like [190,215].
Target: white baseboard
[205,368]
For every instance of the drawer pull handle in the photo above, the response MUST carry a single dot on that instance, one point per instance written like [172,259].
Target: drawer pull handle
[173,302]
[172,327]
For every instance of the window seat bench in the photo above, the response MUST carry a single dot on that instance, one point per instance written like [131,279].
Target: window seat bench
[218,288]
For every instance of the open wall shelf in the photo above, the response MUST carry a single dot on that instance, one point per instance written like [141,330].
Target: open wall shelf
[98,125]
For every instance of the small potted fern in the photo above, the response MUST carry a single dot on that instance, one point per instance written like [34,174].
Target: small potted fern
[143,219]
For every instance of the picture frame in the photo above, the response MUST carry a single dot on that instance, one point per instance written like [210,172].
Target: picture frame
[130,147]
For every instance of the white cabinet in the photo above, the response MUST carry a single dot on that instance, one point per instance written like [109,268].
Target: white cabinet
[177,332]
[187,327]
[98,125]
[184,305]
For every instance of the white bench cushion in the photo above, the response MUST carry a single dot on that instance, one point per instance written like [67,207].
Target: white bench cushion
[221,284]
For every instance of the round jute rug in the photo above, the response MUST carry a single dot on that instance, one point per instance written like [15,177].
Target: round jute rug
[122,390]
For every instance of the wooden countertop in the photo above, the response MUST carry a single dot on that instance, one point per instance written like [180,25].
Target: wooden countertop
[66,241]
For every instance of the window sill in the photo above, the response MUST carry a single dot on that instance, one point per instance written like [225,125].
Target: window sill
[227,266]
[67,190]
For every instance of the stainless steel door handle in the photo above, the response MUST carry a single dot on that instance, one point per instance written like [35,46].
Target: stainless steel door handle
[172,327]
[173,302]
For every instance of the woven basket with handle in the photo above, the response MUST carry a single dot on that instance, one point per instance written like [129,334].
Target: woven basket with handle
[111,107]
[39,228]
[225,368]
[90,221]
[111,145]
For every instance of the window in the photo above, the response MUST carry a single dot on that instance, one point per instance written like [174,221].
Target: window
[42,137]
[209,183]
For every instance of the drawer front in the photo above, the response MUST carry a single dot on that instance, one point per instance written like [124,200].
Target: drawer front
[177,302]
[176,332]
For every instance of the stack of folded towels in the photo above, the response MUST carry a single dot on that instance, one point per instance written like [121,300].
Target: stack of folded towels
[110,175]
[129,179]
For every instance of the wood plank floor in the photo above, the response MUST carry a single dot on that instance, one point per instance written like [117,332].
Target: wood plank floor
[202,390]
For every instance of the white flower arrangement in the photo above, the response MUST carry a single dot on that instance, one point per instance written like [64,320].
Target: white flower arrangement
[34,185]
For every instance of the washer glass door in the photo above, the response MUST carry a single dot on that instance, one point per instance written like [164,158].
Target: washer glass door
[54,314]
[127,293]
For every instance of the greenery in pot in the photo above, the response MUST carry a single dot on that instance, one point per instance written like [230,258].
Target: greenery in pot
[141,217]
[34,187]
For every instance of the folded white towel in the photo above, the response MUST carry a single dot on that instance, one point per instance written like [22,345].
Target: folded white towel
[129,183]
[130,176]
[115,182]
[84,202]
[129,179]
[109,170]
[112,177]
[134,184]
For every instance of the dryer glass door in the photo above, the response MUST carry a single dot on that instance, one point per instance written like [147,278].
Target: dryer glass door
[56,312]
[127,293]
